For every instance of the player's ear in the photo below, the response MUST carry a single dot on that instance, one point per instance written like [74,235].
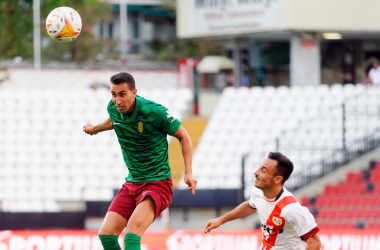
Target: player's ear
[278,179]
[134,91]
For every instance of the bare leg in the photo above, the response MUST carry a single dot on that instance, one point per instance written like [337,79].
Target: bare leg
[113,224]
[142,217]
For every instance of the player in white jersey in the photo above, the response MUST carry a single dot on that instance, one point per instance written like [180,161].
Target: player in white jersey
[285,224]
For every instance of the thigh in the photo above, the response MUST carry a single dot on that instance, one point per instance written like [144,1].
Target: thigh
[124,203]
[113,224]
[142,217]
[161,192]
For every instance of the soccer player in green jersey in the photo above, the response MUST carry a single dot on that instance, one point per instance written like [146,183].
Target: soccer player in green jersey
[141,127]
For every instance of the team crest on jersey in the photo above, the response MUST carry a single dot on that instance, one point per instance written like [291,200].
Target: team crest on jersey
[140,127]
[277,221]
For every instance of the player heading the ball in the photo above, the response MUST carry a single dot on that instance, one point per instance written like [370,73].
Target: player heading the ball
[141,127]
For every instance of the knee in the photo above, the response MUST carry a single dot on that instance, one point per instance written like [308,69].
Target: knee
[102,231]
[106,231]
[132,228]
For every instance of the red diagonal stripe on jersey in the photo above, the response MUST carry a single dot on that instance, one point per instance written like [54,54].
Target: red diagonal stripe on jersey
[269,243]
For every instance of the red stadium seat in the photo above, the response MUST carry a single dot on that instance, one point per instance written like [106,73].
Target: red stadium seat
[329,189]
[373,226]
[377,188]
[304,201]
[374,178]
[352,177]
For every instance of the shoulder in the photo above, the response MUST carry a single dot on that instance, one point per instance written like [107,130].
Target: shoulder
[374,71]
[146,105]
[295,213]
[150,108]
[255,194]
[289,203]
[111,106]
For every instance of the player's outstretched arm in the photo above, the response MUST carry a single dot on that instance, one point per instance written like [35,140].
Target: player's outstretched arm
[313,243]
[93,130]
[186,147]
[241,211]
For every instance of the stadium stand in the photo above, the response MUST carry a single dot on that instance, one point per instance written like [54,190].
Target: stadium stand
[45,157]
[305,123]
[352,204]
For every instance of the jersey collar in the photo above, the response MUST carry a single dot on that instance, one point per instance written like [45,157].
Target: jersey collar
[277,197]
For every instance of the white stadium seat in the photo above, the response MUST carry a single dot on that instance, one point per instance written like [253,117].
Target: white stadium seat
[44,154]
[249,121]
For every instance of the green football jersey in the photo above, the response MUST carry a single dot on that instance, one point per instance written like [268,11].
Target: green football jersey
[142,137]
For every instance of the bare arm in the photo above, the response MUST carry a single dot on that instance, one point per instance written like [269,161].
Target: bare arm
[313,243]
[185,141]
[93,130]
[241,211]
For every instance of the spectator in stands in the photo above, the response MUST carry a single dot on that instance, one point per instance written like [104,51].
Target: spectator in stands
[284,222]
[374,75]
[230,79]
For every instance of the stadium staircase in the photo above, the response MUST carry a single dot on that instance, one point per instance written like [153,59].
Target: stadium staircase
[354,203]
[194,126]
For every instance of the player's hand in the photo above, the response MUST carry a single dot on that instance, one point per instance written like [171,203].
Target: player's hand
[191,182]
[211,224]
[89,129]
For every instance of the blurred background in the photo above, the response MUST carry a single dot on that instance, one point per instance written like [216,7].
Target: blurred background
[245,77]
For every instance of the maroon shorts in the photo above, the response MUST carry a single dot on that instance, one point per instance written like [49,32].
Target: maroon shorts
[132,193]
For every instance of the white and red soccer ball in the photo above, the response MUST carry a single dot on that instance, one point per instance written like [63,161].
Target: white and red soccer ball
[63,24]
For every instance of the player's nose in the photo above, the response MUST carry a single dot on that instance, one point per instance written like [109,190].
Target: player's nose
[256,173]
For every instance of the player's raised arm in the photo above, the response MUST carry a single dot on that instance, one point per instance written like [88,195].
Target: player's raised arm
[186,147]
[93,130]
[241,211]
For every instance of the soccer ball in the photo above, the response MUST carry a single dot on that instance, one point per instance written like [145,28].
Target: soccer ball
[63,24]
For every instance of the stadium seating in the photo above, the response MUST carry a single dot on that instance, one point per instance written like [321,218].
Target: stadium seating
[353,203]
[45,157]
[307,120]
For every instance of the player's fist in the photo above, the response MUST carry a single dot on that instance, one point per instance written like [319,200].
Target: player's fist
[191,182]
[89,129]
[211,224]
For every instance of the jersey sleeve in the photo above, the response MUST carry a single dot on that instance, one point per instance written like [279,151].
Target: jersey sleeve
[251,199]
[301,220]
[164,120]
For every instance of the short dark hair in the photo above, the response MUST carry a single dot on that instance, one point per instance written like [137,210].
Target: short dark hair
[124,77]
[284,165]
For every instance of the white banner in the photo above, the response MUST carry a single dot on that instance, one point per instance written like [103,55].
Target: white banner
[305,62]
[220,15]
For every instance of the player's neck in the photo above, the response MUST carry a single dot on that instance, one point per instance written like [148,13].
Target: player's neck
[272,193]
[131,109]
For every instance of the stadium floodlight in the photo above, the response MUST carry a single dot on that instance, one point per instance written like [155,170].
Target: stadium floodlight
[332,36]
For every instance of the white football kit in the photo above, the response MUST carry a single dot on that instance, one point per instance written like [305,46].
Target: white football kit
[285,224]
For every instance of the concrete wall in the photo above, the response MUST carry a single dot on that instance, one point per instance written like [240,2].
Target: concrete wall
[207,103]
